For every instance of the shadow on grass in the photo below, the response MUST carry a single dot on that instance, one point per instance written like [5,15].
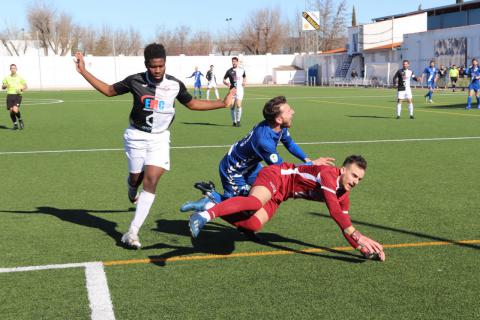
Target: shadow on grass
[444,106]
[371,117]
[404,231]
[82,217]
[218,239]
[4,127]
[205,124]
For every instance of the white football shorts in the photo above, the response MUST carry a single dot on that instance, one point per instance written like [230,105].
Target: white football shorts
[404,95]
[211,84]
[146,149]
[239,94]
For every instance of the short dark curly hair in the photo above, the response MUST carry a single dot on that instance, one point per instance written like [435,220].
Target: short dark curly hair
[357,159]
[271,110]
[154,51]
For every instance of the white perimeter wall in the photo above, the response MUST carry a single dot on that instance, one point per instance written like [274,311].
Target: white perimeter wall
[385,32]
[55,72]
[419,47]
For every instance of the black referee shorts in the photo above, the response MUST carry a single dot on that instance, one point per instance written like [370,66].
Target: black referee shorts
[13,100]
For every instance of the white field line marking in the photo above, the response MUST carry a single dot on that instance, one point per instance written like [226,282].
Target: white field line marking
[36,102]
[228,145]
[97,286]
[45,267]
[393,96]
[98,293]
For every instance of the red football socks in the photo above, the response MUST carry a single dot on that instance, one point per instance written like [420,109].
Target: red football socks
[234,205]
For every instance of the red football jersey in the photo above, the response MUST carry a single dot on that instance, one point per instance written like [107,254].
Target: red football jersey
[318,183]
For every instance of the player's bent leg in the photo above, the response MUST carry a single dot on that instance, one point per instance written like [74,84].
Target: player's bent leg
[133,182]
[201,204]
[238,111]
[233,114]
[230,206]
[255,222]
[145,200]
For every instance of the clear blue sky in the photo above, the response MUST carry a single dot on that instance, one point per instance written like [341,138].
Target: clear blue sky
[146,16]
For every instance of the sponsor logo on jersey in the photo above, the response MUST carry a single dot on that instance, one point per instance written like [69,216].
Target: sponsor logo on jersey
[151,104]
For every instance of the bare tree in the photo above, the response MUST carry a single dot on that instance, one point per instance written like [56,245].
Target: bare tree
[200,44]
[54,31]
[333,24]
[181,36]
[14,40]
[104,42]
[88,39]
[263,32]
[166,37]
[224,45]
[177,41]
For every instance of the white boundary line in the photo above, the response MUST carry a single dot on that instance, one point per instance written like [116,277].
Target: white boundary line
[96,283]
[98,293]
[36,102]
[393,96]
[226,146]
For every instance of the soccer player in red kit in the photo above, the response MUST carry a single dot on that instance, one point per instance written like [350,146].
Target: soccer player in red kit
[277,183]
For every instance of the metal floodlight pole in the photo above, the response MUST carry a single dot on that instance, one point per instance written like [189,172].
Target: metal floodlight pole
[114,57]
[39,62]
[228,20]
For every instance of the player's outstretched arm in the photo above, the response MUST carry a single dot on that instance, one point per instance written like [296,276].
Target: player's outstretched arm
[202,105]
[98,84]
[369,248]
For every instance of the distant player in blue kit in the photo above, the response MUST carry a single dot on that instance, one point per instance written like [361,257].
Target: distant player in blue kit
[431,73]
[474,74]
[197,85]
[240,166]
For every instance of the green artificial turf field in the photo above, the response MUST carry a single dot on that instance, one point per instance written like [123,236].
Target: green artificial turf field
[64,201]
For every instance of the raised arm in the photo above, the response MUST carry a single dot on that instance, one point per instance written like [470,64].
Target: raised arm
[98,84]
[202,105]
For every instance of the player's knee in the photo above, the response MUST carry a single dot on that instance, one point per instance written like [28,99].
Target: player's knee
[150,183]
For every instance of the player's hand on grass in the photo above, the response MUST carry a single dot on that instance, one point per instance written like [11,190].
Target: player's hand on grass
[79,62]
[229,97]
[324,162]
[368,247]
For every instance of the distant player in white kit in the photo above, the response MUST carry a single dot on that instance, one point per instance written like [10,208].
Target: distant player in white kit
[236,79]
[402,80]
[212,83]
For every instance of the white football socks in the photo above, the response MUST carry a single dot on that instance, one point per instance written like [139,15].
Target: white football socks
[239,113]
[399,109]
[205,215]
[234,115]
[410,109]
[144,203]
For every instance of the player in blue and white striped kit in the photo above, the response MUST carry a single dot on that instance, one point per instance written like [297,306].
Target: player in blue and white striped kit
[197,85]
[432,74]
[240,166]
[474,74]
